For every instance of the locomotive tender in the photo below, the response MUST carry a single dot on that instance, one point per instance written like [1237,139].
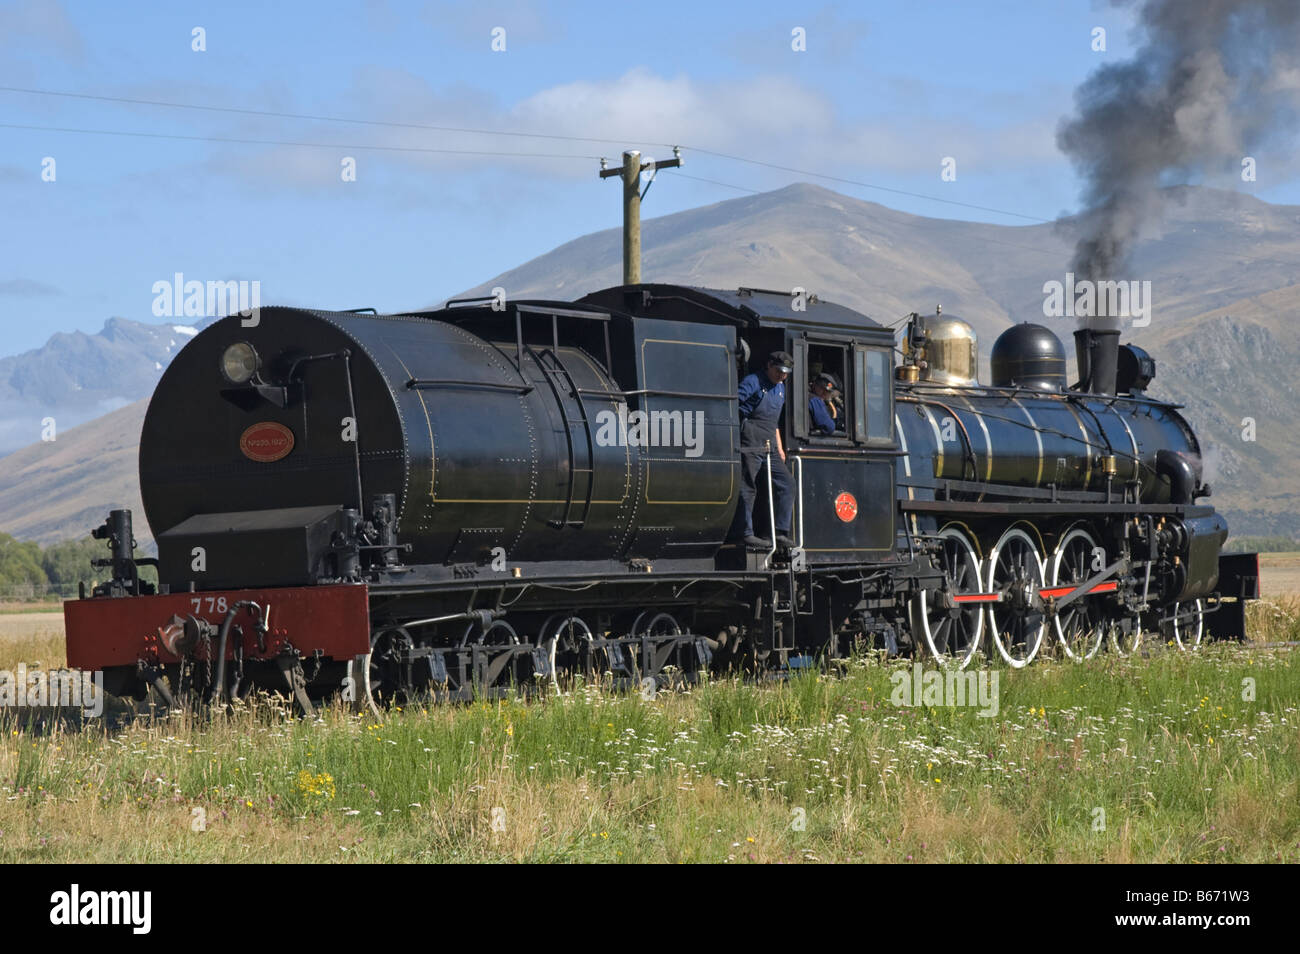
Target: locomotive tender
[436,501]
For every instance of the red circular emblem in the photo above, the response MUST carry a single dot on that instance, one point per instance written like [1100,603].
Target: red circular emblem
[846,506]
[266,442]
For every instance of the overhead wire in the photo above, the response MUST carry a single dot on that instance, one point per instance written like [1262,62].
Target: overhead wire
[700,150]
[278,114]
[281,142]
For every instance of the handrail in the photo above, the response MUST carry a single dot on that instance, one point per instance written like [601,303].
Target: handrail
[657,392]
[798,461]
[425,384]
[771,510]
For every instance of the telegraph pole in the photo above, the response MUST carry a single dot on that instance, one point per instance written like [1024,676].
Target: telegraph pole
[632,195]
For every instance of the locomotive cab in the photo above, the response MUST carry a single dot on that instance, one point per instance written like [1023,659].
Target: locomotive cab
[844,479]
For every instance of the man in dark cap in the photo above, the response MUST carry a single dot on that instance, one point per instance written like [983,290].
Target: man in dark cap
[762,398]
[821,409]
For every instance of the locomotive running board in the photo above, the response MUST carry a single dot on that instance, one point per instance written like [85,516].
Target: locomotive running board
[1010,507]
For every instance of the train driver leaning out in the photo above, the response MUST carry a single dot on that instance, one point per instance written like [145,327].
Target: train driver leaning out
[762,398]
[821,407]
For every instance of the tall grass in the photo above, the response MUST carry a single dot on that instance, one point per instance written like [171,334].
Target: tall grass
[1158,759]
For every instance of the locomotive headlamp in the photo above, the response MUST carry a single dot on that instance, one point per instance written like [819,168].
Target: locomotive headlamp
[239,362]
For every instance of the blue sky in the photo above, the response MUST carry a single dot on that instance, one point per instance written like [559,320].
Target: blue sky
[883,92]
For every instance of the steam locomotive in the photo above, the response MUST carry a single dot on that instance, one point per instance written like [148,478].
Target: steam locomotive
[497,495]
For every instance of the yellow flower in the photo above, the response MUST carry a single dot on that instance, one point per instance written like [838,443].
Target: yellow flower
[318,786]
[510,729]
[750,840]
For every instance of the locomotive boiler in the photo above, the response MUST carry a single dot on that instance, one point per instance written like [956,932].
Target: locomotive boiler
[502,495]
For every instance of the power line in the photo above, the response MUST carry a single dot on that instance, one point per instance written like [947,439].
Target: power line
[986,241]
[725,185]
[1036,249]
[308,116]
[244,111]
[312,145]
[865,185]
[502,154]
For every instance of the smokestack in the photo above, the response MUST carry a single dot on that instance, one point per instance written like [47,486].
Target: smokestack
[1098,352]
[1213,81]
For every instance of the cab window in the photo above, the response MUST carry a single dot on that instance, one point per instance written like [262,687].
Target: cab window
[832,360]
[874,393]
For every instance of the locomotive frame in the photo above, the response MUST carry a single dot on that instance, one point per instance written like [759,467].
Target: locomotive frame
[475,537]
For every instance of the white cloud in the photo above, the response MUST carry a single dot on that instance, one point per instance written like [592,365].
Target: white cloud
[777,119]
[774,118]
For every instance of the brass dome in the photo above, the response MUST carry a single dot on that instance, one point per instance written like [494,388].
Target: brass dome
[951,353]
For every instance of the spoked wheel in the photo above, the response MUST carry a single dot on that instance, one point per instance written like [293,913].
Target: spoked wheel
[657,665]
[1187,625]
[388,676]
[1124,635]
[1016,572]
[951,631]
[1081,626]
[659,624]
[493,673]
[565,639]
[499,633]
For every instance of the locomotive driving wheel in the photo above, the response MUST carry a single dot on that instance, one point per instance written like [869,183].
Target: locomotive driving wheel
[952,631]
[1015,572]
[1186,626]
[496,633]
[1124,635]
[389,676]
[1081,626]
[566,640]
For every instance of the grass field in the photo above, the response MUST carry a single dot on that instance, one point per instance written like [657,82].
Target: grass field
[1279,574]
[1157,759]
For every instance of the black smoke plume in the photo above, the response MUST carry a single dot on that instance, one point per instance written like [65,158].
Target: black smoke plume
[1213,81]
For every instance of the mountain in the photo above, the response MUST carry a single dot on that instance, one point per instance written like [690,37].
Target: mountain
[76,377]
[1224,269]
[1210,249]
[1234,369]
[63,489]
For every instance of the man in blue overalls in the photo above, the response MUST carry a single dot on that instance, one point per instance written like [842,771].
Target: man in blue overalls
[762,398]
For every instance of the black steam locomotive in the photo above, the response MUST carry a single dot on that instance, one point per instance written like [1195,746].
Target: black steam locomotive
[499,494]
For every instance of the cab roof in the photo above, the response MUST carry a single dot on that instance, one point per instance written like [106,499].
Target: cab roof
[748,307]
